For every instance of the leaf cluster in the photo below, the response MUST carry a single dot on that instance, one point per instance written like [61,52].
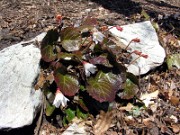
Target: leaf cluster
[65,50]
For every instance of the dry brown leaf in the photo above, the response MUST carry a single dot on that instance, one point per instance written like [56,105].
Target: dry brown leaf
[50,77]
[128,108]
[174,100]
[129,132]
[154,107]
[176,128]
[152,95]
[129,120]
[148,122]
[170,93]
[103,123]
[164,129]
[40,81]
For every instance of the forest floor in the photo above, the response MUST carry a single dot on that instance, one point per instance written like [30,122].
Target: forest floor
[25,19]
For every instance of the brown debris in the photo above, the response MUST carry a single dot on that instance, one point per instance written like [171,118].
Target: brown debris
[103,123]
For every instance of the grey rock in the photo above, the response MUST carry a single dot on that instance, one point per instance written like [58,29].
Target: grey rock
[19,102]
[148,45]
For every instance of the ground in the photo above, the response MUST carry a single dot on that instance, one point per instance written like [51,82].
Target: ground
[24,19]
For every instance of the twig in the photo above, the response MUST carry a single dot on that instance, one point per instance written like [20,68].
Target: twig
[39,122]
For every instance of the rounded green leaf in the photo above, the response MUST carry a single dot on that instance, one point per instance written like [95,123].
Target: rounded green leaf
[130,90]
[48,54]
[70,39]
[49,109]
[104,86]
[68,84]
[102,60]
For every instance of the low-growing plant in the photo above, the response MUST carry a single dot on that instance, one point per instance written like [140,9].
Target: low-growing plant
[83,62]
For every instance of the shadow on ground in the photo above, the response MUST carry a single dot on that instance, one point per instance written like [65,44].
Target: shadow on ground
[126,7]
[27,130]
[131,7]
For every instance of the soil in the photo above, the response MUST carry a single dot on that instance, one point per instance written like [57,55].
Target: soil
[24,19]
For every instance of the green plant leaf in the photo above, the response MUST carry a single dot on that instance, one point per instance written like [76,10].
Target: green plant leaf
[81,114]
[104,86]
[65,122]
[130,90]
[49,109]
[82,88]
[68,84]
[136,111]
[173,60]
[47,45]
[133,78]
[65,56]
[102,60]
[145,15]
[48,54]
[70,114]
[50,38]
[70,39]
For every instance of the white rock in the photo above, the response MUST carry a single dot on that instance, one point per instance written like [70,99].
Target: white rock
[19,102]
[149,45]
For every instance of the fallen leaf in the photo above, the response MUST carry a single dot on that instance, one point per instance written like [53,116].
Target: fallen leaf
[146,98]
[175,128]
[148,122]
[128,108]
[130,120]
[129,132]
[170,93]
[173,60]
[153,107]
[103,123]
[77,127]
[174,100]
[164,129]
[174,118]
[50,77]
[170,40]
[40,81]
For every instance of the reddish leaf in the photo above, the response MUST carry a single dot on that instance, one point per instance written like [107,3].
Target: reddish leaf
[104,86]
[102,59]
[68,84]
